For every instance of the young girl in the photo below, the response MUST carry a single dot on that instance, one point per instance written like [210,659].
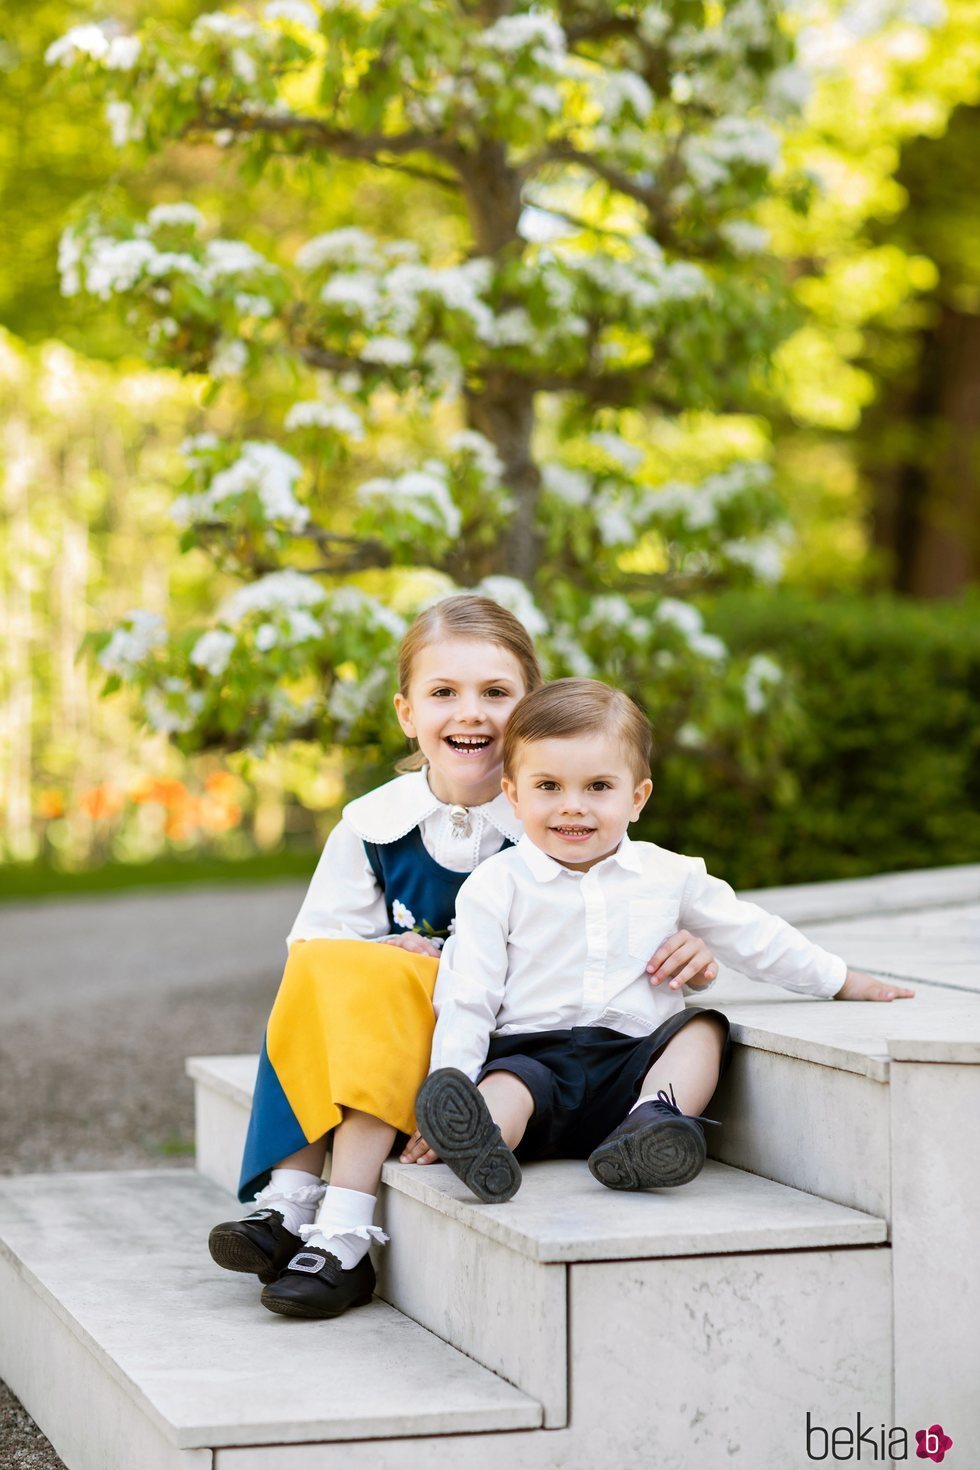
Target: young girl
[347,1045]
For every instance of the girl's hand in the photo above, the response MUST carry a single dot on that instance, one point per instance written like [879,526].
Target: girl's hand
[859,986]
[417,1151]
[683,959]
[413,942]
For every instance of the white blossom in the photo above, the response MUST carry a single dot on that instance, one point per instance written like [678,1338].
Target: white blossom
[515,32]
[743,236]
[515,597]
[124,126]
[132,643]
[390,351]
[123,53]
[573,487]
[350,604]
[233,258]
[212,651]
[706,645]
[314,414]
[266,637]
[177,216]
[626,89]
[219,24]
[341,247]
[296,12]
[84,40]
[689,737]
[349,699]
[764,556]
[244,65]
[760,676]
[402,916]
[483,453]
[680,615]
[619,449]
[229,360]
[261,469]
[277,592]
[198,445]
[423,493]
[174,708]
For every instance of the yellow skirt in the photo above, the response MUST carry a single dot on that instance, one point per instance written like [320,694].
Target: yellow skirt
[351,1027]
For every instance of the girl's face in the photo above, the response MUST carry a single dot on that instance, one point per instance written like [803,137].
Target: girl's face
[458,703]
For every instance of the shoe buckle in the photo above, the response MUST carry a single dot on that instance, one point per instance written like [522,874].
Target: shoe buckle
[307,1261]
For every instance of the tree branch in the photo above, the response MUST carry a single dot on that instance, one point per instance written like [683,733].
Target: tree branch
[345,144]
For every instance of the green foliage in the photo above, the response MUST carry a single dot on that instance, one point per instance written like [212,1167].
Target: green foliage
[883,747]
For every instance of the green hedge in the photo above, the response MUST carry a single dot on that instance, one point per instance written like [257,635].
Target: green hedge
[882,770]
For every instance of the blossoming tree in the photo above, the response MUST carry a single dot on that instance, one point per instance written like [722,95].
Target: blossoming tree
[597,313]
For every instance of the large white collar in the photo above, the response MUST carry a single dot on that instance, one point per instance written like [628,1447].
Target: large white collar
[391,810]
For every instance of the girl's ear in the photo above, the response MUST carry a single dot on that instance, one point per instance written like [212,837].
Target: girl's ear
[640,797]
[404,712]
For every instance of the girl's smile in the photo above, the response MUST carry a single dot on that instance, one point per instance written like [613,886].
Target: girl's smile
[459,701]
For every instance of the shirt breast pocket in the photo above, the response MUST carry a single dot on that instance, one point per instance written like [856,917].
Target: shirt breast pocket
[650,922]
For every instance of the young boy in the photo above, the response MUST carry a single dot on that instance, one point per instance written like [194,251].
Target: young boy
[551,1039]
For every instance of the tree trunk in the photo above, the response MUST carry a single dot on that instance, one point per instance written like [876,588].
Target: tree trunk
[503,409]
[927,514]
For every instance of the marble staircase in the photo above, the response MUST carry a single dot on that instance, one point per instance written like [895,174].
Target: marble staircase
[823,1264]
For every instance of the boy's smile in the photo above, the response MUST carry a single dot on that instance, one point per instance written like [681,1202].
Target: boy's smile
[576,796]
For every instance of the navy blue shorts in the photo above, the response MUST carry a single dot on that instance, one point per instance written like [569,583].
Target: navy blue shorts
[583,1081]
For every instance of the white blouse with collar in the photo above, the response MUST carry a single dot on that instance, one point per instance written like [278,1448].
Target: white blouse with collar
[344,901]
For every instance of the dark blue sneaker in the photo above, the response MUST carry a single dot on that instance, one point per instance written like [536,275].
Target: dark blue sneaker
[656,1147]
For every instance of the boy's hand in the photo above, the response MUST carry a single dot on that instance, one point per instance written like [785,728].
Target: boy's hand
[413,942]
[682,960]
[417,1151]
[859,986]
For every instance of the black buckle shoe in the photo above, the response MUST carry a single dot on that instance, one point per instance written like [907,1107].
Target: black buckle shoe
[313,1285]
[656,1147]
[454,1120]
[259,1244]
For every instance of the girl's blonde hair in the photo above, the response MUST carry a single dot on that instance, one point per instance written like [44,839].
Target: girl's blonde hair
[472,617]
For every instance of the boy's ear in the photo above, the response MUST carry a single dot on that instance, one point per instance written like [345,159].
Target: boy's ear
[640,797]
[404,712]
[510,791]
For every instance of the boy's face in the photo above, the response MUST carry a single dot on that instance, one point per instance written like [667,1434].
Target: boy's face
[576,796]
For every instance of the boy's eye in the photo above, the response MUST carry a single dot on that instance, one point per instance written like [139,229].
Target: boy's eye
[601,786]
[547,786]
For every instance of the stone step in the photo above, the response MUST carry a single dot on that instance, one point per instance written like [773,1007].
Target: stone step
[134,1352]
[806,1100]
[450,1253]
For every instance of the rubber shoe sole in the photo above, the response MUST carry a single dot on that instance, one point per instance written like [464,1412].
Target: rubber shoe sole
[454,1120]
[292,1307]
[660,1156]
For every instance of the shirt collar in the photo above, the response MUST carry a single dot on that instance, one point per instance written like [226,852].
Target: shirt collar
[387,813]
[545,868]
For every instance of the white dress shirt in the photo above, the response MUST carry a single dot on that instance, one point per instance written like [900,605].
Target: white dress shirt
[344,900]
[541,947]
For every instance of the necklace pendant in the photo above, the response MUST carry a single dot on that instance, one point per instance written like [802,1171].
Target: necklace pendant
[460,818]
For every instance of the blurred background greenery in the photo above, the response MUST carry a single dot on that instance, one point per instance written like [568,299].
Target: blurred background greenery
[876,430]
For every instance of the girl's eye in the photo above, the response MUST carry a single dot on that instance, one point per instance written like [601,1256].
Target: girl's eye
[436,692]
[499,693]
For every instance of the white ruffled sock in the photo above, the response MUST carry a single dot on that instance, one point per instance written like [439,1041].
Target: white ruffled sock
[295,1194]
[344,1225]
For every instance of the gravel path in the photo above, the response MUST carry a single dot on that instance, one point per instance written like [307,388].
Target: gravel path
[101,1000]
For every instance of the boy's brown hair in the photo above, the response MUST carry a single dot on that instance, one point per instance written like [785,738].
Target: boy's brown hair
[570,707]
